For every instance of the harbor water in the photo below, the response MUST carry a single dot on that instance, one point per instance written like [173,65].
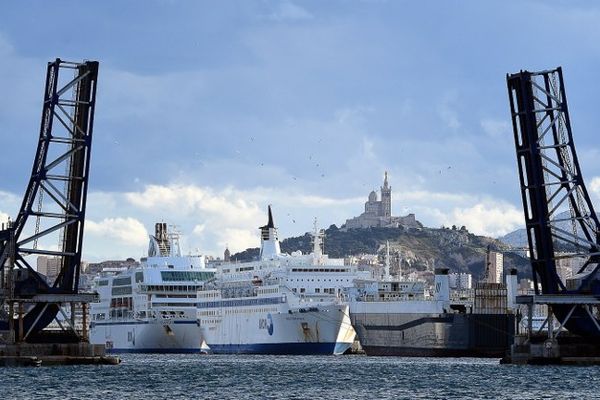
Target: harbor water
[142,376]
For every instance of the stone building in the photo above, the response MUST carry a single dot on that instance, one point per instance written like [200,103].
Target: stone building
[378,213]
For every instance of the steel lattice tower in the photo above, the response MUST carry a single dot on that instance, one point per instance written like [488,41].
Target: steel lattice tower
[559,214]
[51,218]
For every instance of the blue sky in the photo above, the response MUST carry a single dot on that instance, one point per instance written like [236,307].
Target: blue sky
[209,111]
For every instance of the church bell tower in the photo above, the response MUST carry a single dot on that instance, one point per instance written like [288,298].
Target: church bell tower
[386,198]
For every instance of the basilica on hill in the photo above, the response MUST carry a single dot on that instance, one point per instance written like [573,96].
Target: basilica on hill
[378,213]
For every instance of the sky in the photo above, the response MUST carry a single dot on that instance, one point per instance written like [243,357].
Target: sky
[208,111]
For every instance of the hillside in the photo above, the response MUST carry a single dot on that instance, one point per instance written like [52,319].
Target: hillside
[422,249]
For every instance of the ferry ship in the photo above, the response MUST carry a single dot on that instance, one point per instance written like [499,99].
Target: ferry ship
[151,308]
[280,304]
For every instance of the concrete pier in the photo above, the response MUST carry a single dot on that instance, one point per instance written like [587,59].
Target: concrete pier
[563,350]
[552,344]
[46,354]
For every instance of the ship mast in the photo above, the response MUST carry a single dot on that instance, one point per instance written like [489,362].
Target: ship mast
[387,261]
[317,235]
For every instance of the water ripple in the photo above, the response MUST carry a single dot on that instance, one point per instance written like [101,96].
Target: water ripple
[283,377]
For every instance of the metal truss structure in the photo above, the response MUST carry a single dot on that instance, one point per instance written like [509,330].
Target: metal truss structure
[51,218]
[559,214]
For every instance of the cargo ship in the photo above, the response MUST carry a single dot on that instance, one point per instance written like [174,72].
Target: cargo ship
[398,318]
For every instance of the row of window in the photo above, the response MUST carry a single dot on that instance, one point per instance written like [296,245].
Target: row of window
[209,321]
[208,295]
[171,288]
[269,291]
[121,290]
[174,304]
[317,290]
[242,303]
[249,311]
[124,302]
[122,281]
[179,276]
[319,269]
[207,313]
[318,280]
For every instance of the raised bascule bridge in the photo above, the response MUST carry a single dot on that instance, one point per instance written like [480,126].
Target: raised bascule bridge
[38,316]
[559,215]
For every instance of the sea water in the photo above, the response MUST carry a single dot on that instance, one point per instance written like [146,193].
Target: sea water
[154,376]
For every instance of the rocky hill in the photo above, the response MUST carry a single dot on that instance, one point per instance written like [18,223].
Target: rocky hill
[420,249]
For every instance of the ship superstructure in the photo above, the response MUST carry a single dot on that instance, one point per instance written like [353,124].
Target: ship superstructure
[152,307]
[281,303]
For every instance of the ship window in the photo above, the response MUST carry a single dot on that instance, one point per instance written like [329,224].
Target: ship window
[139,276]
[122,281]
[102,283]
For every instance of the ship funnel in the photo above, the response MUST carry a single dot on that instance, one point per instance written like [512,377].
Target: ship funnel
[442,285]
[269,242]
[160,245]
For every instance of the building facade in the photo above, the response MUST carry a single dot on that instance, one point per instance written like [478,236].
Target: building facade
[494,267]
[460,281]
[49,267]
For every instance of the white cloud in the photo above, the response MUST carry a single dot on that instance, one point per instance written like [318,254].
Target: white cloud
[198,229]
[289,11]
[211,218]
[595,186]
[489,218]
[227,206]
[238,239]
[3,217]
[123,231]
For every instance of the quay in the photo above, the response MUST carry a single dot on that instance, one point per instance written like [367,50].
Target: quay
[555,345]
[42,354]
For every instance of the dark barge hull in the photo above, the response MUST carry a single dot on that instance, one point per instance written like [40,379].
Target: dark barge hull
[435,335]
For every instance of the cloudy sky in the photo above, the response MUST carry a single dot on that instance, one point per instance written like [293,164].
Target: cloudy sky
[209,111]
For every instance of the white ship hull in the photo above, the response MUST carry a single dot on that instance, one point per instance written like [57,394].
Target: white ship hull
[148,337]
[151,308]
[318,330]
